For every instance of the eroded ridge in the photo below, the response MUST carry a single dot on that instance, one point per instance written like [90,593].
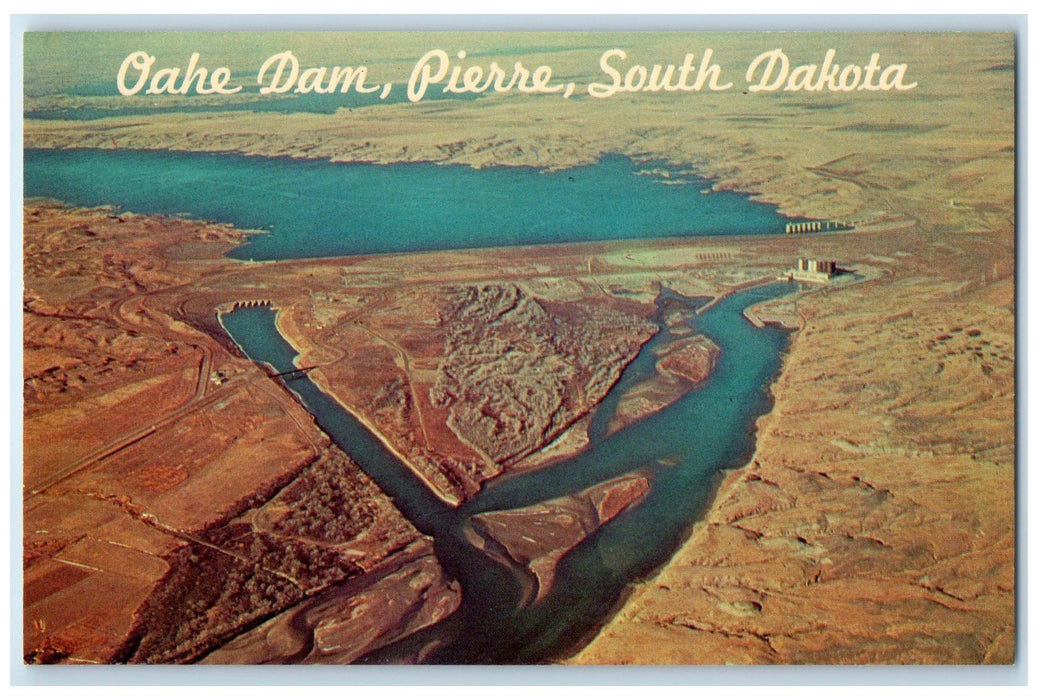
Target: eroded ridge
[462,381]
[517,372]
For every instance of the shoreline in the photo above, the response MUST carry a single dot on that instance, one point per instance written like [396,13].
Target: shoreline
[635,587]
[704,183]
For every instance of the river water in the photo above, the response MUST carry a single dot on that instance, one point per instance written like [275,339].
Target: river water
[681,449]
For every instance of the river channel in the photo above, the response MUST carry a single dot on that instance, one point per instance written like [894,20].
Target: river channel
[681,449]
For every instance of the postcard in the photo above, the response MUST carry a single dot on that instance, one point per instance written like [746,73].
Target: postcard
[502,347]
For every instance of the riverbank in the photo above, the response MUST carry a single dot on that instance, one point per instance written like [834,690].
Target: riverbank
[837,524]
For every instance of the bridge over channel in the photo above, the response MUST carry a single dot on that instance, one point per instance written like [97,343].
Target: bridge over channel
[295,373]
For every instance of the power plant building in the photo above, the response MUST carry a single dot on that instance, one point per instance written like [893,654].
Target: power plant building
[810,270]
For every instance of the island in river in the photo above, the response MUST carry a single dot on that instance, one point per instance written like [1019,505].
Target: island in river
[872,524]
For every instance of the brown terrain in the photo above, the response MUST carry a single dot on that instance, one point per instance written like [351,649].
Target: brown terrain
[463,381]
[179,504]
[173,494]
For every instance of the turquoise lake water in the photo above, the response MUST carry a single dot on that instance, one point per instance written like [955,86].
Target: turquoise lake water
[322,209]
